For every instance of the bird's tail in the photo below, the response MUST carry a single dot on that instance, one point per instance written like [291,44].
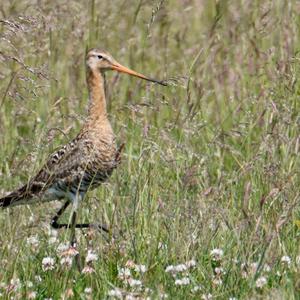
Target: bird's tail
[14,198]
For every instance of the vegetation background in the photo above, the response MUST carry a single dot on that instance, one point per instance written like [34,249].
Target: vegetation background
[206,202]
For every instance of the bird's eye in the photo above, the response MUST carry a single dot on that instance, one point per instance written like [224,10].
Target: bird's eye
[100,57]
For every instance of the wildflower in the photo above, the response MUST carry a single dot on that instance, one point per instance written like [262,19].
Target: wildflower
[180,268]
[176,269]
[163,296]
[217,254]
[115,293]
[71,252]
[33,241]
[140,268]
[206,297]
[124,273]
[48,263]
[88,290]
[31,295]
[196,288]
[15,284]
[219,271]
[133,282]
[130,297]
[62,247]
[66,261]
[87,270]
[260,282]
[169,269]
[182,281]
[130,264]
[253,267]
[91,256]
[286,260]
[191,263]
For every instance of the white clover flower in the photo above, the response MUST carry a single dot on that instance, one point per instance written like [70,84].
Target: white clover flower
[15,284]
[253,267]
[130,264]
[286,260]
[196,288]
[29,284]
[140,268]
[87,270]
[169,269]
[33,241]
[62,247]
[182,281]
[180,268]
[176,269]
[31,295]
[219,271]
[206,297]
[163,296]
[217,254]
[66,261]
[88,290]
[191,263]
[48,263]
[91,256]
[70,251]
[260,282]
[134,282]
[130,297]
[115,293]
[124,273]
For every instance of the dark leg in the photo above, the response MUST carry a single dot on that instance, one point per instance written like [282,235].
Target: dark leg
[73,225]
[57,225]
[54,220]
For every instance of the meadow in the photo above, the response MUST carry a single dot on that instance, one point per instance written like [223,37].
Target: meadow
[205,204]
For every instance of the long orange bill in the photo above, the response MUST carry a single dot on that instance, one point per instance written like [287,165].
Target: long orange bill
[123,69]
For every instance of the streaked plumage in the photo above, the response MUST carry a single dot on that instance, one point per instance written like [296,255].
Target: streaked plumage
[86,161]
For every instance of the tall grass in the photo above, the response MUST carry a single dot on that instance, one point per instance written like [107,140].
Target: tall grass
[211,162]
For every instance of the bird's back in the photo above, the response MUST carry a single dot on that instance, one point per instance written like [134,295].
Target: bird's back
[82,164]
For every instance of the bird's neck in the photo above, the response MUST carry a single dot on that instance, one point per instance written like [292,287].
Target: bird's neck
[97,102]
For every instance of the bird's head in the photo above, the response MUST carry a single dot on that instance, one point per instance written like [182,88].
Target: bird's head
[103,61]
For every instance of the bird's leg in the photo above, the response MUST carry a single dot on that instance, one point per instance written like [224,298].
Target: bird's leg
[73,226]
[57,225]
[54,220]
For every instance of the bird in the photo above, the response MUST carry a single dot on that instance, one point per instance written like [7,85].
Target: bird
[84,162]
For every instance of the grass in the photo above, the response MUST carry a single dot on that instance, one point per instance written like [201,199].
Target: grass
[211,162]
